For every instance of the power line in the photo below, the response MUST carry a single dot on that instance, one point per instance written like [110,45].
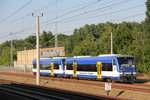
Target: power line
[75,11]
[66,9]
[121,2]
[29,14]
[24,41]
[93,10]
[78,9]
[4,37]
[48,41]
[107,13]
[95,16]
[33,27]
[84,18]
[129,17]
[15,11]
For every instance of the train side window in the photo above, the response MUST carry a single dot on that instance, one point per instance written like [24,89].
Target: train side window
[106,66]
[91,68]
[45,67]
[56,66]
[69,67]
[34,66]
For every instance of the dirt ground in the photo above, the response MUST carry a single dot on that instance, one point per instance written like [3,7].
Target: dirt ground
[95,90]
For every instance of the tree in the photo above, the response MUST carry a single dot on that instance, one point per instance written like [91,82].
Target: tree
[46,39]
[86,47]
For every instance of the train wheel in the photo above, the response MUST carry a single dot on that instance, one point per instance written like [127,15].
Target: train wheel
[108,80]
[70,77]
[58,76]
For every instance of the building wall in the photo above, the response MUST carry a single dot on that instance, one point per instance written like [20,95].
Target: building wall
[26,57]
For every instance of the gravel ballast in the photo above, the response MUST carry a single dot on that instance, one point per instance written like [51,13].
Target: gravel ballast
[95,90]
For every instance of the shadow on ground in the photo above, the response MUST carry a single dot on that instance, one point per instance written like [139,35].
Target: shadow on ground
[141,81]
[120,93]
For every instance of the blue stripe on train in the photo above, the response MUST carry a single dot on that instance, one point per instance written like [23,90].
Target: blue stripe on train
[46,73]
[94,76]
[85,76]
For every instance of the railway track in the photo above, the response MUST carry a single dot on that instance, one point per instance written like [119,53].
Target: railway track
[132,87]
[15,91]
[123,86]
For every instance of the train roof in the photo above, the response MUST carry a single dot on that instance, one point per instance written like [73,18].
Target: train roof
[92,60]
[59,57]
[89,60]
[117,55]
[47,61]
[81,56]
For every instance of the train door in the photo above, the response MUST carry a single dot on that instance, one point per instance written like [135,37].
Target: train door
[52,69]
[99,70]
[74,69]
[114,68]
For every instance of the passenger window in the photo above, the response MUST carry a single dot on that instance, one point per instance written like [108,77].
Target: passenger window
[91,68]
[114,63]
[69,67]
[56,66]
[106,66]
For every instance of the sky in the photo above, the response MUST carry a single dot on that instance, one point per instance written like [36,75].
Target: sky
[16,15]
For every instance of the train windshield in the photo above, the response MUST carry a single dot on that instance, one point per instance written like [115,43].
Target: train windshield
[126,62]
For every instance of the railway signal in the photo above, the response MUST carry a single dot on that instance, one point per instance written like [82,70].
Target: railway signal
[108,88]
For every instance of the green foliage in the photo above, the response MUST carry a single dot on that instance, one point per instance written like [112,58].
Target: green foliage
[46,39]
[86,47]
[5,56]
[129,38]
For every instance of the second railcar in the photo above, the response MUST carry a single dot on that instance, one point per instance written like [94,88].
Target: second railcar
[52,67]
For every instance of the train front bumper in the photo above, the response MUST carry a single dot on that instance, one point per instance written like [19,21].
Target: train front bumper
[128,77]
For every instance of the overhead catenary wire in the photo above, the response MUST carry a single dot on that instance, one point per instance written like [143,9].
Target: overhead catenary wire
[114,4]
[24,41]
[136,15]
[15,12]
[75,15]
[78,9]
[122,10]
[90,17]
[29,14]
[50,4]
[31,28]
[93,11]
[4,37]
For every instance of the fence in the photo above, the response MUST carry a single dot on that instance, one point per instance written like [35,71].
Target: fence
[15,69]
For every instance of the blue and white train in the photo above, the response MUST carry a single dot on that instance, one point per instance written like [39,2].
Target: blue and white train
[52,67]
[113,67]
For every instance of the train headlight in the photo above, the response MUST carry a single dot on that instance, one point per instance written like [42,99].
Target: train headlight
[133,66]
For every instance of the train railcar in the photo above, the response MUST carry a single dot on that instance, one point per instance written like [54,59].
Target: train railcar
[114,67]
[51,67]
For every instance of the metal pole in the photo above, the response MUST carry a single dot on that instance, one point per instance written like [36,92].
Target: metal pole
[56,41]
[38,52]
[21,58]
[11,59]
[24,59]
[111,43]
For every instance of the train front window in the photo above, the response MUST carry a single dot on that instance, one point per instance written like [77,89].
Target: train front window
[126,62]
[34,66]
